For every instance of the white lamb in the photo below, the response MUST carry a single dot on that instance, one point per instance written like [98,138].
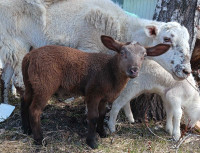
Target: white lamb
[176,95]
[80,23]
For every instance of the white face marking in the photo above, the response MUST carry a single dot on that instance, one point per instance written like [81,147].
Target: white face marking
[177,58]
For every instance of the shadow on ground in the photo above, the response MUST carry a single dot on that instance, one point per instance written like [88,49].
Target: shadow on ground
[64,128]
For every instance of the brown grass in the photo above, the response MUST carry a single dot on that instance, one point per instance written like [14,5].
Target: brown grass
[65,128]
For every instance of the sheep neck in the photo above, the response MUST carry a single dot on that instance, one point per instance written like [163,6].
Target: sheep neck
[118,76]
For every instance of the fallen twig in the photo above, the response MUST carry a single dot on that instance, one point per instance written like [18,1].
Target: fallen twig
[48,132]
[158,136]
[146,123]
[181,141]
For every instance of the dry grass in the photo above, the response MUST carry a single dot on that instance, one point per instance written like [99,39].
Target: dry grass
[65,129]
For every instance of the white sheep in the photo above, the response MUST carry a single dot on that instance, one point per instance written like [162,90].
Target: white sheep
[80,23]
[16,16]
[12,52]
[176,95]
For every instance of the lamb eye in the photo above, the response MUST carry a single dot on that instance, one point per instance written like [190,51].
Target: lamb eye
[143,54]
[167,39]
[122,52]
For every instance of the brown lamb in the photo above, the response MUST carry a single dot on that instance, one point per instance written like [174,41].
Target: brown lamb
[99,77]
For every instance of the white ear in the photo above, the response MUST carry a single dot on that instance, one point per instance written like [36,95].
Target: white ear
[151,31]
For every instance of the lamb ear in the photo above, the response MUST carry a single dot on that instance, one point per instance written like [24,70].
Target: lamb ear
[151,31]
[112,44]
[157,50]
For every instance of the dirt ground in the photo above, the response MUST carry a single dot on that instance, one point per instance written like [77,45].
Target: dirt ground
[65,128]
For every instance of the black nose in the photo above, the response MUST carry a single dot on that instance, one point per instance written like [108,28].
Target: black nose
[187,72]
[134,70]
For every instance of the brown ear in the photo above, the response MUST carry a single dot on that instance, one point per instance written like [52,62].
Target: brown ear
[157,50]
[112,44]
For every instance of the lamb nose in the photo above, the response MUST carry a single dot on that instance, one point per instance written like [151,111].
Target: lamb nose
[187,72]
[134,69]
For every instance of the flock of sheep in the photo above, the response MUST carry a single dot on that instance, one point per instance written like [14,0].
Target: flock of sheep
[80,24]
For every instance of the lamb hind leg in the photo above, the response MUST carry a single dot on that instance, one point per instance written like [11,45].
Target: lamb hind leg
[25,103]
[35,111]
[128,112]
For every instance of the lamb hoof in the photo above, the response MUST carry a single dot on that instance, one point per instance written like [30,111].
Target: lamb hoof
[40,142]
[92,143]
[111,128]
[103,133]
[176,137]
[131,120]
[27,131]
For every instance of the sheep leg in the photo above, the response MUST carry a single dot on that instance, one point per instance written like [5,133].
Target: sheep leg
[93,115]
[17,80]
[13,88]
[174,107]
[117,105]
[5,82]
[177,114]
[102,113]
[169,114]
[14,91]
[25,103]
[128,112]
[35,111]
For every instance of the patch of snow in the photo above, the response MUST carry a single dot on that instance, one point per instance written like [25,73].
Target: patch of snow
[5,111]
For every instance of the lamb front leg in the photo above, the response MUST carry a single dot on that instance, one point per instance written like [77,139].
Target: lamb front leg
[177,113]
[174,111]
[102,112]
[169,113]
[120,102]
[93,114]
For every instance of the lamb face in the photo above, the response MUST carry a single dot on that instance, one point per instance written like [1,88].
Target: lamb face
[131,54]
[177,60]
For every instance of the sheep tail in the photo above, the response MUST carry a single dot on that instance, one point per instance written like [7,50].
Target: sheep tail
[28,94]
[25,66]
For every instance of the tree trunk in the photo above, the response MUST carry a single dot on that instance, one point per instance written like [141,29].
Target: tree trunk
[186,14]
[195,62]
